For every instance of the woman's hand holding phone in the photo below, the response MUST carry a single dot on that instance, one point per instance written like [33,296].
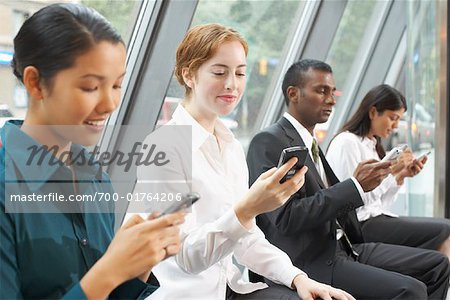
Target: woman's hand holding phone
[403,159]
[136,248]
[417,164]
[408,166]
[299,152]
[144,243]
[267,193]
[424,157]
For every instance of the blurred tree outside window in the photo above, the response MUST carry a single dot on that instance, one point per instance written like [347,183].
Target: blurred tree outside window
[119,13]
[348,39]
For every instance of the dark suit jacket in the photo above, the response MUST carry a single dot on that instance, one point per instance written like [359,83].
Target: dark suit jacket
[305,227]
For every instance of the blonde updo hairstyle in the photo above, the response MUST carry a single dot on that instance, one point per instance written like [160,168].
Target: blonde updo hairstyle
[200,44]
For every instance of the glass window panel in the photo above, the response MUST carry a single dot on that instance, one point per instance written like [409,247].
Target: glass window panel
[348,38]
[14,12]
[420,83]
[346,44]
[119,13]
[422,91]
[266,32]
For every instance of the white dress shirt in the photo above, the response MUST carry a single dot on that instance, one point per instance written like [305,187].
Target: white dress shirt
[344,153]
[308,140]
[212,233]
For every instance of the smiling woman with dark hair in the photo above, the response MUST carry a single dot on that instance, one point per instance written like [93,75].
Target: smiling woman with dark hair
[360,139]
[72,63]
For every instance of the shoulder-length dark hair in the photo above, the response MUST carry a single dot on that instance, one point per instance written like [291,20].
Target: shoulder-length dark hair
[382,97]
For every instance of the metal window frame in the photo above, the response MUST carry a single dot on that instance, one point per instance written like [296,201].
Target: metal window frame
[372,61]
[442,150]
[273,100]
[396,68]
[311,37]
[151,59]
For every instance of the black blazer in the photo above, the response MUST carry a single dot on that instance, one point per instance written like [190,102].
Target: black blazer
[305,227]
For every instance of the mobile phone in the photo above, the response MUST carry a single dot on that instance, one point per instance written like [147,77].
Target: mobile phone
[423,155]
[297,151]
[394,153]
[186,201]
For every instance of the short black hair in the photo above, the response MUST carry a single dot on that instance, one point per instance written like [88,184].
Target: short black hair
[53,37]
[295,75]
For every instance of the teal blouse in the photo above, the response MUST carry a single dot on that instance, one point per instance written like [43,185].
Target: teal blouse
[45,254]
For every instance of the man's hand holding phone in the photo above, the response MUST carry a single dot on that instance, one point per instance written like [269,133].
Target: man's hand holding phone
[370,173]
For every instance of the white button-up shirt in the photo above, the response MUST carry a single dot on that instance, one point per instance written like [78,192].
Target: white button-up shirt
[308,140]
[344,153]
[212,233]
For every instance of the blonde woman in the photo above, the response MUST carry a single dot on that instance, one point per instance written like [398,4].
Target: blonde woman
[211,66]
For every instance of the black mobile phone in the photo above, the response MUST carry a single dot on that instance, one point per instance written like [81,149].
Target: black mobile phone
[186,201]
[298,151]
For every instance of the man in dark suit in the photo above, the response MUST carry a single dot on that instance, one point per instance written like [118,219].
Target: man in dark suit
[318,227]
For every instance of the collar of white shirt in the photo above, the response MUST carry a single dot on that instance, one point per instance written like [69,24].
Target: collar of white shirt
[308,138]
[199,134]
[304,133]
[370,143]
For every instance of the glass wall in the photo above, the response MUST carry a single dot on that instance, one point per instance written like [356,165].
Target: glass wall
[419,82]
[348,39]
[13,96]
[343,53]
[267,33]
[417,76]
[422,91]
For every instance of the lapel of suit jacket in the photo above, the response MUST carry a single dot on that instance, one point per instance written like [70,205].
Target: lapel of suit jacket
[332,179]
[296,140]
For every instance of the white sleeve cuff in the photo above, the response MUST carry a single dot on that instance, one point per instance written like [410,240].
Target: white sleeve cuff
[358,186]
[392,182]
[289,275]
[231,226]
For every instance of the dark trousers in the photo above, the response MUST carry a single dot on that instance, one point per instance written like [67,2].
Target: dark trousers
[273,292]
[426,233]
[385,271]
